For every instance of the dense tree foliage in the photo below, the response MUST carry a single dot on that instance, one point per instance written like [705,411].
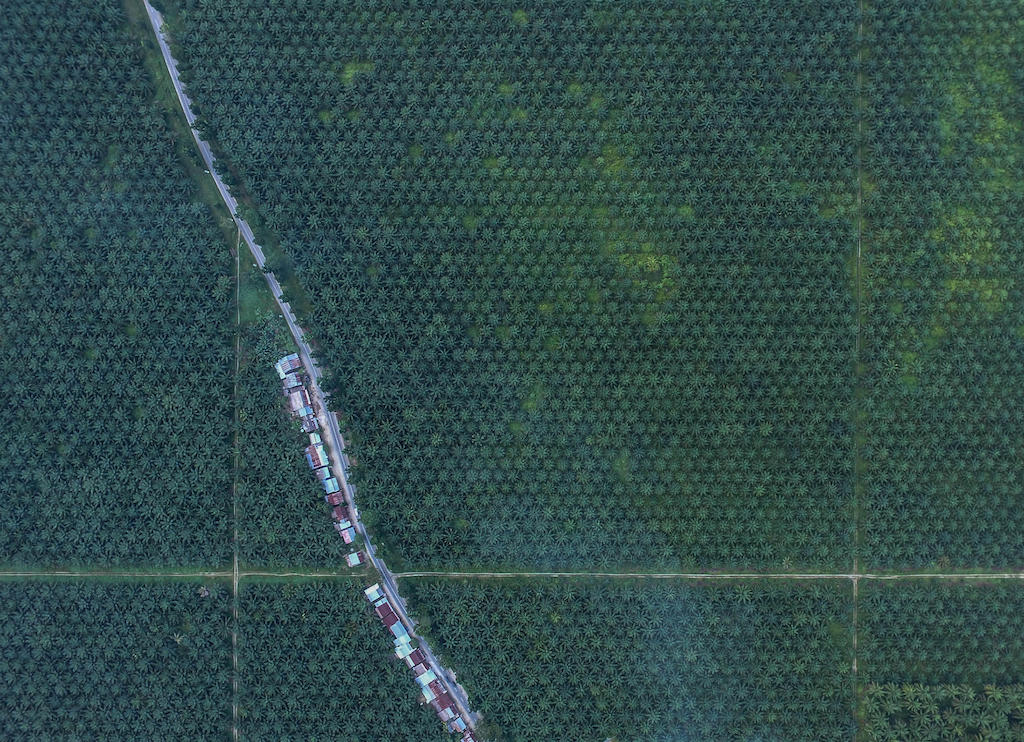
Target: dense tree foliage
[568,261]
[120,660]
[919,713]
[942,632]
[282,517]
[316,664]
[944,283]
[601,660]
[942,660]
[115,308]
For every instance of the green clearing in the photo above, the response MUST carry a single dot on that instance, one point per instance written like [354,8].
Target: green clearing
[563,269]
[944,287]
[648,661]
[115,660]
[941,660]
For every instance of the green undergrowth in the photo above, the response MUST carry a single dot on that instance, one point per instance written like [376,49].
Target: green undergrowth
[944,286]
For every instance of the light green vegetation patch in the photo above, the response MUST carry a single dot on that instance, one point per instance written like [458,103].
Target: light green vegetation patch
[943,284]
[594,287]
[350,70]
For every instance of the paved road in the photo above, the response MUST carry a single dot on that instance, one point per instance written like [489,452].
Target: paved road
[328,421]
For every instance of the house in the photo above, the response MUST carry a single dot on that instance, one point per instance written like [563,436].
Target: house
[314,439]
[457,725]
[310,423]
[323,474]
[437,688]
[354,558]
[299,401]
[403,648]
[469,736]
[373,592]
[343,526]
[331,485]
[443,705]
[426,678]
[415,658]
[288,364]
[347,533]
[399,632]
[316,457]
[335,498]
[290,381]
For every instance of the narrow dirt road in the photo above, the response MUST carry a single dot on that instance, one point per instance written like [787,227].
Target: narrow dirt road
[729,575]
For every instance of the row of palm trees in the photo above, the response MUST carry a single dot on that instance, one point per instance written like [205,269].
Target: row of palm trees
[118,318]
[284,520]
[930,712]
[742,661]
[943,287]
[450,197]
[302,638]
[121,660]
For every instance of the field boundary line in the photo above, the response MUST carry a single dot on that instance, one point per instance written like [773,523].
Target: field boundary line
[222,574]
[858,463]
[242,574]
[726,575]
[117,574]
[313,574]
[853,651]
[234,496]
